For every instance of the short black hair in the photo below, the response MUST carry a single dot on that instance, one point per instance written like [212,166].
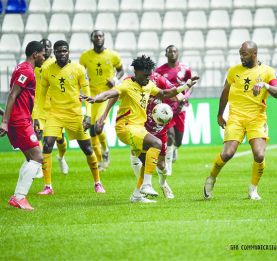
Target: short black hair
[60,43]
[170,46]
[44,41]
[33,47]
[95,31]
[143,63]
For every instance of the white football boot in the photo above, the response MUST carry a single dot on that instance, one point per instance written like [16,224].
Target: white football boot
[208,187]
[253,193]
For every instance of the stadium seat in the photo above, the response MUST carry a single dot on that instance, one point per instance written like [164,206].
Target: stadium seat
[266,3]
[214,59]
[196,20]
[275,39]
[150,5]
[263,37]
[105,22]
[242,18]
[131,5]
[10,43]
[125,41]
[193,39]
[180,5]
[7,63]
[264,17]
[28,38]
[16,7]
[211,78]
[151,21]
[36,23]
[274,58]
[54,37]
[148,41]
[221,4]
[85,6]
[250,4]
[128,21]
[12,23]
[161,59]
[59,23]
[198,4]
[173,20]
[219,19]
[79,42]
[233,57]
[62,6]
[38,6]
[216,39]
[237,37]
[109,40]
[108,5]
[4,82]
[171,37]
[82,22]
[193,59]
[264,55]
[75,56]
[127,58]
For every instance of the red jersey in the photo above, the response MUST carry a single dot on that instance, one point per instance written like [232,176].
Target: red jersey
[23,76]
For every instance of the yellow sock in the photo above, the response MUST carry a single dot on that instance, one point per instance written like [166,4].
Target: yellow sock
[257,172]
[140,178]
[96,148]
[47,168]
[151,160]
[218,165]
[62,147]
[92,162]
[103,141]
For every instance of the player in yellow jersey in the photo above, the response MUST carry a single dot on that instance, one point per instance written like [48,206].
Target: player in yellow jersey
[133,94]
[40,122]
[63,81]
[247,115]
[101,64]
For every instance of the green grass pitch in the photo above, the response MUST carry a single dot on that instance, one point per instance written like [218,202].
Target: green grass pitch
[77,224]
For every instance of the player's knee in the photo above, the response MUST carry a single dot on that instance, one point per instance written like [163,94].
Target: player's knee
[88,150]
[259,157]
[157,143]
[227,155]
[47,147]
[92,131]
[161,165]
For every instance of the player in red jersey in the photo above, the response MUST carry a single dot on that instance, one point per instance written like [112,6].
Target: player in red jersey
[17,122]
[171,71]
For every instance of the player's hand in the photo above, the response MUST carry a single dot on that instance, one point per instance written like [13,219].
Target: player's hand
[221,122]
[258,86]
[86,98]
[37,129]
[3,129]
[191,82]
[100,124]
[86,122]
[110,83]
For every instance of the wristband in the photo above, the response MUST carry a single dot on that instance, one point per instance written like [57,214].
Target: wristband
[116,81]
[266,86]
[182,88]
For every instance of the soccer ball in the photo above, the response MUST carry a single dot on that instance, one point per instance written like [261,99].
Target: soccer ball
[162,113]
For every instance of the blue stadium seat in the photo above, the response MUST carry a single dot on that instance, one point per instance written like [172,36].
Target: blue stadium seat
[16,7]
[1,7]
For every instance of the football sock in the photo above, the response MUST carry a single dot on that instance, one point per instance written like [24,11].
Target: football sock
[103,141]
[27,173]
[96,148]
[168,159]
[47,168]
[151,160]
[92,162]
[136,165]
[140,178]
[218,165]
[62,148]
[257,172]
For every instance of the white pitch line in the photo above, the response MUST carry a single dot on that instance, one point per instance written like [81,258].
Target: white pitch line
[240,154]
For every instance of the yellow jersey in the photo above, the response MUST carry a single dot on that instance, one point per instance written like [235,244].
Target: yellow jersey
[63,85]
[100,68]
[133,100]
[241,99]
[38,73]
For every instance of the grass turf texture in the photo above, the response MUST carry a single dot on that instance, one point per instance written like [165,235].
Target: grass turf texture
[78,224]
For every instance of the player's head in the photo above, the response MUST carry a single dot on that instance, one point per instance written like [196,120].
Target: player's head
[61,51]
[172,53]
[47,46]
[248,54]
[143,67]
[35,52]
[97,37]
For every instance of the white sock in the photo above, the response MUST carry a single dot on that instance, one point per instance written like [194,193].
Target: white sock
[26,176]
[137,193]
[136,165]
[162,175]
[168,159]
[147,180]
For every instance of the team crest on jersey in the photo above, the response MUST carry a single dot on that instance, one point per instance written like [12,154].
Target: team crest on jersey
[33,138]
[22,78]
[70,77]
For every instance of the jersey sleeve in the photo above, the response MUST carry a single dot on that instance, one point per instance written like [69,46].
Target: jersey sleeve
[42,95]
[117,60]
[83,82]
[270,75]
[82,60]
[154,90]
[121,88]
[23,78]
[230,76]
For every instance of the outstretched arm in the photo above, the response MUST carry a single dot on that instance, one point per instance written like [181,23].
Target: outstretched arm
[222,105]
[101,97]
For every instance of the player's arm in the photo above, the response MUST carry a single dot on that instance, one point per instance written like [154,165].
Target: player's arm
[222,105]
[271,87]
[101,97]
[87,118]
[14,93]
[115,80]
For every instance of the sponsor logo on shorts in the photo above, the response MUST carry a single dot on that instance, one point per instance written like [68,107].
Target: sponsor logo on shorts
[33,138]
[22,78]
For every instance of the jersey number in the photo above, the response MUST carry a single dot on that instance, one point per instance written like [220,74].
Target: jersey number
[246,87]
[62,87]
[99,71]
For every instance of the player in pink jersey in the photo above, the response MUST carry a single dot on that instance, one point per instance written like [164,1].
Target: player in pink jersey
[17,122]
[177,73]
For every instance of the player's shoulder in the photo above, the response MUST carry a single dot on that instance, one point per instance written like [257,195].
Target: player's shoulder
[111,52]
[25,68]
[266,67]
[85,53]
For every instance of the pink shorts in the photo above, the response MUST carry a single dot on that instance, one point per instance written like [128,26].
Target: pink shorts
[163,138]
[22,135]
[178,121]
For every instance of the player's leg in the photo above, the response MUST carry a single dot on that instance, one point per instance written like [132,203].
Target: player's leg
[136,164]
[62,145]
[170,148]
[179,129]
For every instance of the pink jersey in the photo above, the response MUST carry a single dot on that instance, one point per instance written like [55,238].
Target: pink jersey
[23,76]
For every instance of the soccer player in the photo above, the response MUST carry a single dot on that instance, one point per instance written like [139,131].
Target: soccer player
[63,80]
[133,94]
[101,64]
[170,71]
[39,123]
[247,115]
[17,122]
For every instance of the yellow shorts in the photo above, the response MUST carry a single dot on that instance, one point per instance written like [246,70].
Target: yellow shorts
[54,126]
[97,109]
[132,135]
[42,124]
[237,128]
